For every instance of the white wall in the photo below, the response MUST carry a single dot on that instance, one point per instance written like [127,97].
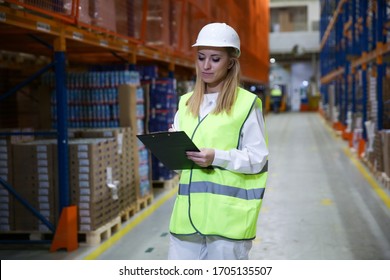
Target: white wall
[283,42]
[313,8]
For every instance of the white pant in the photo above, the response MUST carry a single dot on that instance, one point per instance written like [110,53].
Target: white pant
[198,247]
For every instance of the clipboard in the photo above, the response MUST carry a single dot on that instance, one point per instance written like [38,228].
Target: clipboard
[170,148]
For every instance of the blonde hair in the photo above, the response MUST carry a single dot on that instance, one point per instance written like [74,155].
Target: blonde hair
[228,94]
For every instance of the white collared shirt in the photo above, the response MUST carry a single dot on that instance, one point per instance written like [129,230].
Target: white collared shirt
[252,154]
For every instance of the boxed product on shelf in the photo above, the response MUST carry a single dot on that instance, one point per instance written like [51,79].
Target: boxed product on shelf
[127,98]
[94,180]
[6,213]
[148,72]
[386,151]
[386,103]
[37,184]
[130,98]
[103,14]
[103,179]
[83,12]
[375,153]
[128,160]
[163,106]
[7,216]
[158,23]
[92,97]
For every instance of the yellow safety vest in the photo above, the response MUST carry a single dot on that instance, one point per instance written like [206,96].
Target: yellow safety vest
[215,201]
[276,92]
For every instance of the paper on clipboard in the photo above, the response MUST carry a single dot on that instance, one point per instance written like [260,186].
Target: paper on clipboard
[170,148]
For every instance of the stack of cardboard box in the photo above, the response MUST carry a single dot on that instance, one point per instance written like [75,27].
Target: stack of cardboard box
[127,155]
[386,151]
[93,167]
[103,171]
[34,179]
[6,212]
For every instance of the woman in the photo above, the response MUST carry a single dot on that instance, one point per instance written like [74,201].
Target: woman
[218,203]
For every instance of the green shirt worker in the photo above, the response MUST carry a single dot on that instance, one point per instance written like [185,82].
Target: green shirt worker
[217,206]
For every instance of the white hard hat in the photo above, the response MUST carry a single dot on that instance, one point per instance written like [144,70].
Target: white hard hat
[218,35]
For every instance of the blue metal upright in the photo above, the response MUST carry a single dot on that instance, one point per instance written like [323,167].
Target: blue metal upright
[381,66]
[353,52]
[364,50]
[62,130]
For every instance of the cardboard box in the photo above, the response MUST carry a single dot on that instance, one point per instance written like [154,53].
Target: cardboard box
[386,151]
[128,160]
[7,213]
[36,184]
[94,162]
[127,99]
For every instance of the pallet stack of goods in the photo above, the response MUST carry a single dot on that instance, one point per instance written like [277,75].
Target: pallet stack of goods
[132,102]
[92,97]
[162,99]
[103,179]
[7,213]
[163,104]
[109,97]
[94,167]
[112,152]
[110,178]
[377,153]
[37,183]
[145,177]
[385,133]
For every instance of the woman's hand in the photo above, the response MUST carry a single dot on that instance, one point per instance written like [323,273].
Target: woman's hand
[203,158]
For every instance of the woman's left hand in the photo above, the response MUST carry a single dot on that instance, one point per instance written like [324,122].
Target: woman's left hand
[203,158]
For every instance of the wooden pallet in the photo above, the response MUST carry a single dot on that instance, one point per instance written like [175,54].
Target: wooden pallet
[144,201]
[128,213]
[87,238]
[96,237]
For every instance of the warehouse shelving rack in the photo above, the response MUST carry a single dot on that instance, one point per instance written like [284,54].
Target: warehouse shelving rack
[353,45]
[59,30]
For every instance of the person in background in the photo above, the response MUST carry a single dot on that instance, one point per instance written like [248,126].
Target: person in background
[218,201]
[276,98]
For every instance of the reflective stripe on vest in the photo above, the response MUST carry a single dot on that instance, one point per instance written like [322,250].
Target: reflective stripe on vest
[209,187]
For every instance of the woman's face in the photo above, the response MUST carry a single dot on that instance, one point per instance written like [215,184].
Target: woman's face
[213,64]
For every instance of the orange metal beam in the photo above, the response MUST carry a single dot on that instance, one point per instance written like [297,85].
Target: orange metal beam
[182,19]
[332,23]
[144,21]
[377,54]
[332,75]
